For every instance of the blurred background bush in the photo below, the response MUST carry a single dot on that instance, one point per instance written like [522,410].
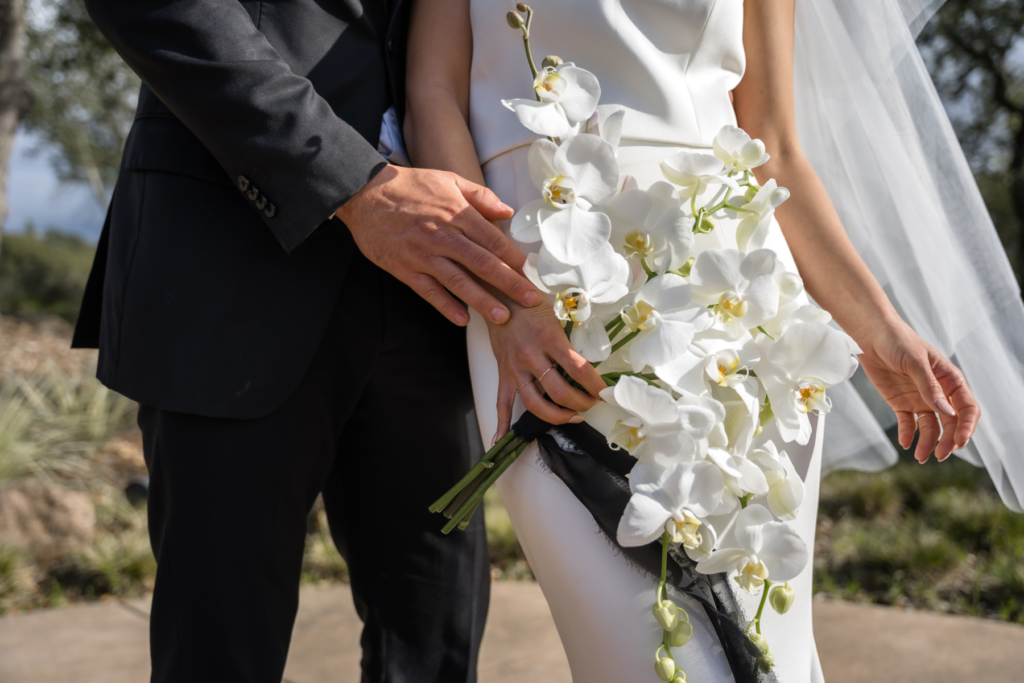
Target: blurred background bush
[72,477]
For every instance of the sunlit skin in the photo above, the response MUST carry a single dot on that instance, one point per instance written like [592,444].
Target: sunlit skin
[926,391]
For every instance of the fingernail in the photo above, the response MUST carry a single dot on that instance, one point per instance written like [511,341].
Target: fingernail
[494,439]
[944,406]
[575,419]
[504,207]
[461,318]
[499,315]
[531,298]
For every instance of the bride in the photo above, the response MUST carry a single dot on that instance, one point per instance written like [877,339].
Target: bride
[683,69]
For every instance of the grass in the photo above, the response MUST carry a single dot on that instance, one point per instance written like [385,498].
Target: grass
[933,537]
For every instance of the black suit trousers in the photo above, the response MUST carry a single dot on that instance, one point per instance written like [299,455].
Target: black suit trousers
[382,423]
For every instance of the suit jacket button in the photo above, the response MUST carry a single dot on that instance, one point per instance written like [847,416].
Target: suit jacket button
[243,183]
[261,203]
[270,211]
[253,193]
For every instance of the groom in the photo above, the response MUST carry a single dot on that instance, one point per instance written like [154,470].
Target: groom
[255,290]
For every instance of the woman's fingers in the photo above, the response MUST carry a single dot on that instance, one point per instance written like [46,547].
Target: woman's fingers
[562,393]
[929,387]
[579,369]
[928,428]
[967,410]
[506,401]
[907,425]
[535,402]
[946,444]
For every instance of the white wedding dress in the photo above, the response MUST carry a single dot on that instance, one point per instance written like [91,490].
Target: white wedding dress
[671,64]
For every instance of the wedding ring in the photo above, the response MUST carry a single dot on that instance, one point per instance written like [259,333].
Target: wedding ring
[523,385]
[539,379]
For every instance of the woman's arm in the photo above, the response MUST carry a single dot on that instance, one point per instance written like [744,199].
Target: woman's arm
[437,136]
[914,378]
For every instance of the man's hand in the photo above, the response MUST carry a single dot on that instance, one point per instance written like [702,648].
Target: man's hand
[431,230]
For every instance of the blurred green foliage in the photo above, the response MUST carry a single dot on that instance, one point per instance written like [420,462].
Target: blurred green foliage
[935,536]
[43,273]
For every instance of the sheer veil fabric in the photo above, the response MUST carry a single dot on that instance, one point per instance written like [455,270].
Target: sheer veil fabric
[873,127]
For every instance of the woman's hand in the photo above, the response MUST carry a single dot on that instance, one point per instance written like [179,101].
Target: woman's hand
[528,347]
[917,382]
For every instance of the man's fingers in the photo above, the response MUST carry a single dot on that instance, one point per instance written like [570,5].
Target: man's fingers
[490,237]
[437,296]
[483,200]
[492,270]
[462,285]
[928,426]
[580,370]
[543,408]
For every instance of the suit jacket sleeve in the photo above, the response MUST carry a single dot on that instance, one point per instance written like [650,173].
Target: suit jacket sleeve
[211,66]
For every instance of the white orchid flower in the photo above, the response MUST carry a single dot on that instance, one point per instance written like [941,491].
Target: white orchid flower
[791,286]
[798,367]
[741,476]
[602,279]
[740,288]
[666,320]
[606,123]
[764,550]
[695,172]
[650,225]
[785,488]
[737,151]
[648,423]
[673,501]
[573,177]
[567,95]
[756,215]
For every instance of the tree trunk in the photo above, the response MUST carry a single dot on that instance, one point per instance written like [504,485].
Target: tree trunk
[13,91]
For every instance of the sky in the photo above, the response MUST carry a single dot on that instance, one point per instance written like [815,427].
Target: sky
[34,194]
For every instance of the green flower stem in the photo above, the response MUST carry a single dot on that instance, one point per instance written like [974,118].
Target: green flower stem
[693,205]
[625,340]
[469,516]
[665,541]
[647,269]
[619,325]
[569,324]
[612,323]
[760,608]
[761,329]
[526,43]
[474,499]
[485,463]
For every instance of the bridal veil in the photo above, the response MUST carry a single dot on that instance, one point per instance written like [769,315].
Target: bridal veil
[872,125]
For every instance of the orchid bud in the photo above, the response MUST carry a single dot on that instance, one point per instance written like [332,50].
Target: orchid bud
[759,642]
[750,193]
[666,669]
[685,269]
[765,663]
[551,61]
[781,598]
[515,20]
[680,677]
[705,226]
[667,615]
[523,7]
[681,634]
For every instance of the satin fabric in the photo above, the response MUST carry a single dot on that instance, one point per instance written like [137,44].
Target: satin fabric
[600,604]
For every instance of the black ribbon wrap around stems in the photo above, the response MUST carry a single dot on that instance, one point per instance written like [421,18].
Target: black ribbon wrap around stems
[596,474]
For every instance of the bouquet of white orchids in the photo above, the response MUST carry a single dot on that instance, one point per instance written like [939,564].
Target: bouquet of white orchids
[700,353]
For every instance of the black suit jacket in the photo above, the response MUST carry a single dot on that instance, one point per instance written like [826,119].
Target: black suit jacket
[217,270]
